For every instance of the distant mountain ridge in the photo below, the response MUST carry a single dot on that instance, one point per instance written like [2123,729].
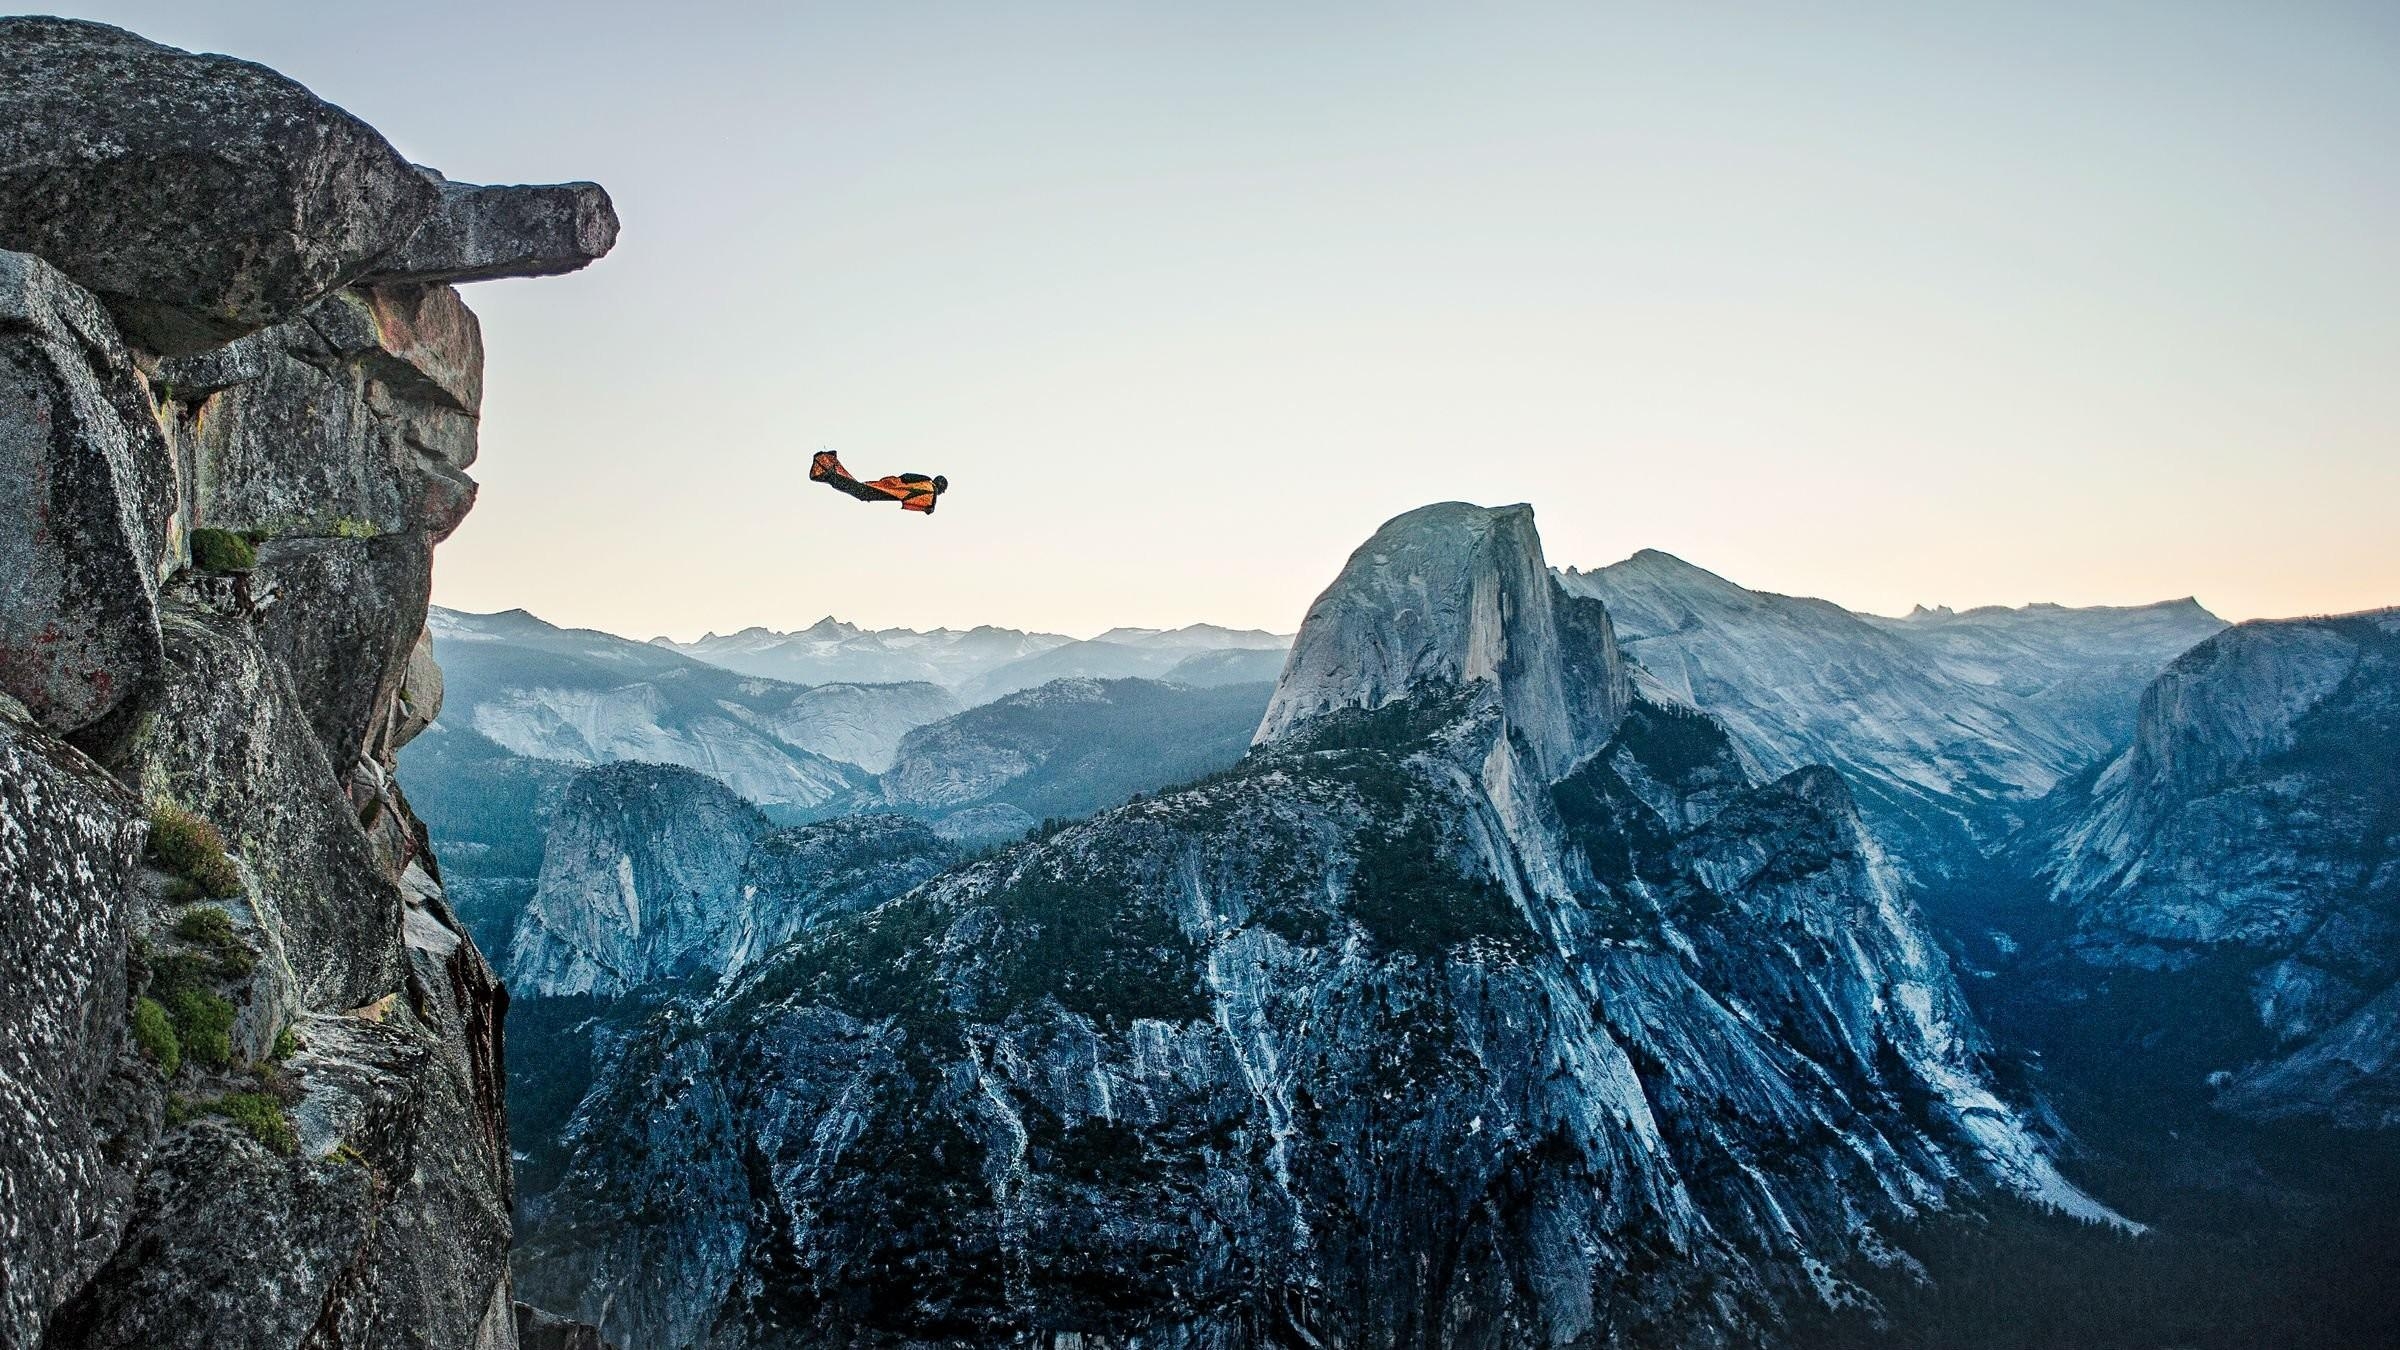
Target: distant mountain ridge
[1949,725]
[1063,750]
[830,651]
[575,696]
[978,664]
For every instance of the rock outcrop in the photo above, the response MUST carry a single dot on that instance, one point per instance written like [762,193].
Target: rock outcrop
[654,875]
[251,1069]
[200,197]
[2233,878]
[1457,593]
[477,233]
[85,504]
[1486,1002]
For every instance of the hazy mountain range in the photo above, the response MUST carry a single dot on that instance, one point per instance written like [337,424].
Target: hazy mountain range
[1578,960]
[984,663]
[1488,945]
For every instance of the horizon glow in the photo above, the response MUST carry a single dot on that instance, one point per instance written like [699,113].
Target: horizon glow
[2086,304]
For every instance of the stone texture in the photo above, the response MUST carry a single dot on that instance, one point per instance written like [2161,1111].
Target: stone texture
[420,693]
[67,839]
[402,416]
[85,499]
[376,1233]
[199,196]
[480,233]
[344,626]
[538,1330]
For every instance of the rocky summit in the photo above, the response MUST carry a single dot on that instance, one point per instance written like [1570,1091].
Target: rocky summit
[2231,882]
[653,874]
[250,1064]
[1489,1001]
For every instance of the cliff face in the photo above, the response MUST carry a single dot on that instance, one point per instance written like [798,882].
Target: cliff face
[1486,1003]
[1457,593]
[653,874]
[2233,879]
[251,1090]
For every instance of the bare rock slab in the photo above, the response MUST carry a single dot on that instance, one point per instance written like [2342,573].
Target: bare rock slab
[480,233]
[201,197]
[86,491]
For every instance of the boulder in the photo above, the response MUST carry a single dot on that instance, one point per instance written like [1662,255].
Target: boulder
[420,694]
[201,197]
[357,418]
[479,233]
[86,491]
[343,627]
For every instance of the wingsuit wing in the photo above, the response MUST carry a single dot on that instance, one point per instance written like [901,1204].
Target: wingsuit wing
[827,469]
[914,491]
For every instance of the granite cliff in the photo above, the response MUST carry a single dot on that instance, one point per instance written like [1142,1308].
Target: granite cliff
[250,1065]
[2231,882]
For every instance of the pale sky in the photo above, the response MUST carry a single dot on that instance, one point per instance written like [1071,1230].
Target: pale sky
[2084,302]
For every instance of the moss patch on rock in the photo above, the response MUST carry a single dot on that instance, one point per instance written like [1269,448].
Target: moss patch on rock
[222,551]
[211,929]
[190,848]
[154,1032]
[204,1024]
[261,1115]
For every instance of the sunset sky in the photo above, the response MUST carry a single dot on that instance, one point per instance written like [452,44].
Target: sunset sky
[2093,303]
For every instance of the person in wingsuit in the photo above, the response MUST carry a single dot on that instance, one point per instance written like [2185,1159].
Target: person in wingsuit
[914,491]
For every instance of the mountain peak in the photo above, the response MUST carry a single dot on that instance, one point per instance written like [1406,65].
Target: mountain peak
[1455,593]
[1659,568]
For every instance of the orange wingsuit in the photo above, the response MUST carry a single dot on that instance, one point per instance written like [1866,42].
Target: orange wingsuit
[914,491]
